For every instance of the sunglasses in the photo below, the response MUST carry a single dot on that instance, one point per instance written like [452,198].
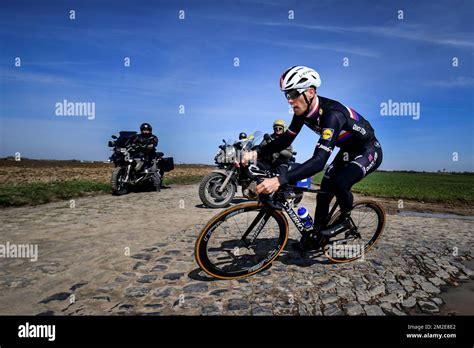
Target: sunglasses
[293,93]
[277,128]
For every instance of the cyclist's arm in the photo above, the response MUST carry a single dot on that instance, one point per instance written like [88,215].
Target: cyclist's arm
[333,122]
[283,141]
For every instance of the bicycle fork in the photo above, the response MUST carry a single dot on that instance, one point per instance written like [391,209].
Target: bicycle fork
[260,220]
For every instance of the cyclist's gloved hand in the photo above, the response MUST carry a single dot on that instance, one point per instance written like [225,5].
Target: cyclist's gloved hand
[268,186]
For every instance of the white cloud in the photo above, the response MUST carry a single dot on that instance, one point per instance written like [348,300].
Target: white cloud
[24,76]
[460,81]
[408,32]
[325,47]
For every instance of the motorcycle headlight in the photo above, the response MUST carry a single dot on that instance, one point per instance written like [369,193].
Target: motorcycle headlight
[229,154]
[218,157]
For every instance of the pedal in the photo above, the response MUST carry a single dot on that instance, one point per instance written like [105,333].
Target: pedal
[353,231]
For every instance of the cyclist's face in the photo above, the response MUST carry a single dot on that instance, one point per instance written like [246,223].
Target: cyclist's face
[298,103]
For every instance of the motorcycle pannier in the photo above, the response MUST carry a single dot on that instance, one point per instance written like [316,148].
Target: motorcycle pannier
[167,164]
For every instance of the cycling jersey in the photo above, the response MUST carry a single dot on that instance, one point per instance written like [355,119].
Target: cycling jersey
[336,124]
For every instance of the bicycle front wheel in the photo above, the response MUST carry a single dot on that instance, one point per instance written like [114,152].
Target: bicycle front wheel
[241,241]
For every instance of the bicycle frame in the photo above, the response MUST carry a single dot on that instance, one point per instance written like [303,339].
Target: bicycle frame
[295,218]
[289,210]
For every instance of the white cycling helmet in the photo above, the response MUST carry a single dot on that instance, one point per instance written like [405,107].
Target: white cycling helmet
[300,78]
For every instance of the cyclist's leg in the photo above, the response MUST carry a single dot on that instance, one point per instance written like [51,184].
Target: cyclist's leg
[343,182]
[323,199]
[312,240]
[338,180]
[360,166]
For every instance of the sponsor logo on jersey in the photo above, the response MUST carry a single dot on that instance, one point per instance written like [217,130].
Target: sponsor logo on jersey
[325,148]
[359,129]
[327,133]
[372,163]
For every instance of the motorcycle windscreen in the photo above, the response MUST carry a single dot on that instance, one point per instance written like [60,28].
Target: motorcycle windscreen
[254,139]
[123,138]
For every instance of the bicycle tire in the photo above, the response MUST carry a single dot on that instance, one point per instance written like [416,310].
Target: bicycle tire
[201,248]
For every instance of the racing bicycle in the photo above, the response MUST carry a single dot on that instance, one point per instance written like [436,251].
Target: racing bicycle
[246,238]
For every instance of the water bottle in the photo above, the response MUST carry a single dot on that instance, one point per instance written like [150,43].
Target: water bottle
[305,218]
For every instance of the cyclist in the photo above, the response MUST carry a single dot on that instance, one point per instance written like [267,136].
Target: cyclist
[338,126]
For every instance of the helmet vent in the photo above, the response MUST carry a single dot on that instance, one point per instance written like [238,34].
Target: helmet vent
[293,75]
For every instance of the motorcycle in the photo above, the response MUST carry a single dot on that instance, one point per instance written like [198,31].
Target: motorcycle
[218,188]
[131,168]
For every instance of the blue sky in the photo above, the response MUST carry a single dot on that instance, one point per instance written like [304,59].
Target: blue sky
[190,62]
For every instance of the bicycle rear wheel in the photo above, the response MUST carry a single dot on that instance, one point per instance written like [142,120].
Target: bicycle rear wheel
[241,241]
[369,220]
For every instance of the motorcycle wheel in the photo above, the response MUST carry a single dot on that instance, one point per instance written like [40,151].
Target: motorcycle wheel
[118,186]
[209,195]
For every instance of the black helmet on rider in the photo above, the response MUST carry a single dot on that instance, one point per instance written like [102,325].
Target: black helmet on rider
[242,136]
[146,129]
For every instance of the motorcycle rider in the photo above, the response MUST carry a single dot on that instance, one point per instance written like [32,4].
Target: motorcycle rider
[242,136]
[278,159]
[146,143]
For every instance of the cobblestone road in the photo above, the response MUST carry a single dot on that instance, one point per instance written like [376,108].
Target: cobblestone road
[134,255]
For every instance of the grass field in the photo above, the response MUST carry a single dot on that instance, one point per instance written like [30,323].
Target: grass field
[39,193]
[44,192]
[33,182]
[427,187]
